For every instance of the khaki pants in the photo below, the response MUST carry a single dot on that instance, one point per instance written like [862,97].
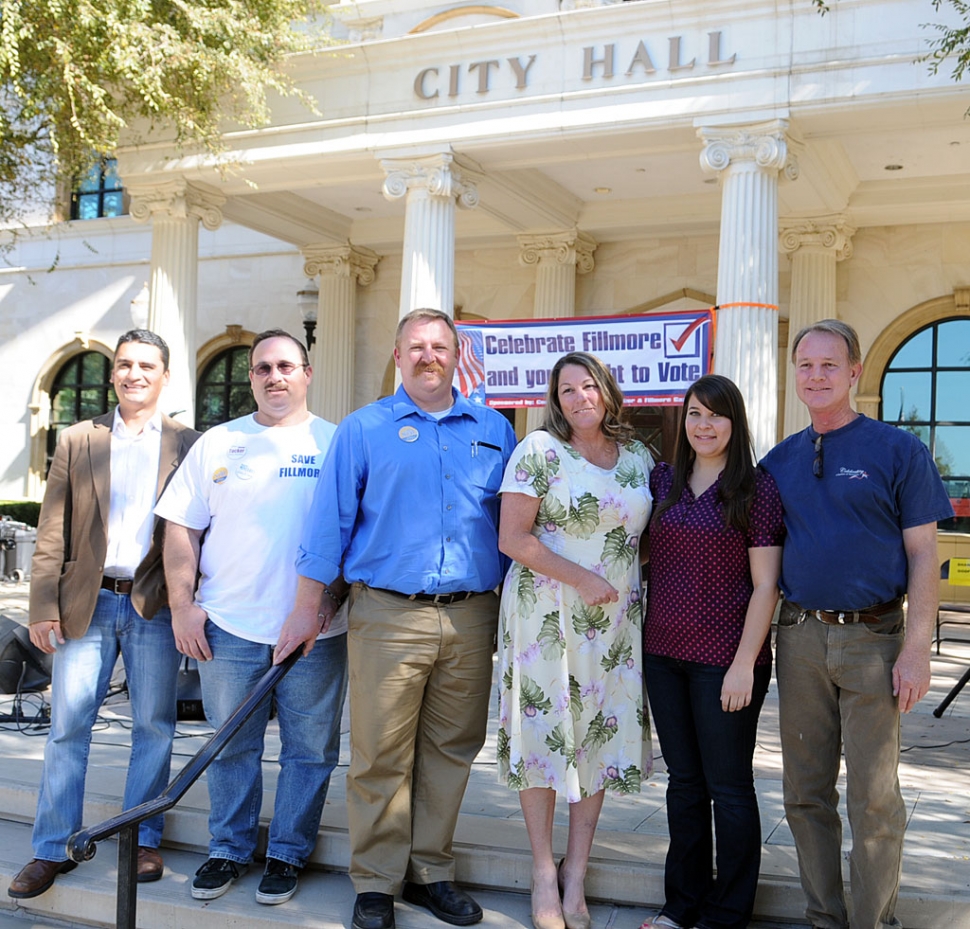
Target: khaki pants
[420,680]
[835,687]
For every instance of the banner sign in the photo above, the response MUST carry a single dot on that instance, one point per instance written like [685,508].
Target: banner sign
[654,358]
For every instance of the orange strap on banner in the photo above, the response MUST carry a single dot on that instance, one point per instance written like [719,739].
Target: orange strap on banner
[764,306]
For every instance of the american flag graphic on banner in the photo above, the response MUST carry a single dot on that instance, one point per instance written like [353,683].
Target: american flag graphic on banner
[471,366]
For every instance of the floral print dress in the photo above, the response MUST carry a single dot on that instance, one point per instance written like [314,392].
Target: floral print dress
[572,711]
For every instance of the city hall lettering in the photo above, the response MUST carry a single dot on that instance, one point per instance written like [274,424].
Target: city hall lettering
[598,62]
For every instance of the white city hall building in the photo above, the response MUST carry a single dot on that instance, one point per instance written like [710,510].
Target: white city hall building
[526,159]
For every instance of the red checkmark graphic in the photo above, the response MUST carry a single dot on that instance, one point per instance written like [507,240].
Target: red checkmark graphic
[681,340]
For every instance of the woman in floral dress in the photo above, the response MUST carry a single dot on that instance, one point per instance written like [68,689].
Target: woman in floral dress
[573,720]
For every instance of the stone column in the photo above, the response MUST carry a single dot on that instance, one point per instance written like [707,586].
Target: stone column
[340,268]
[175,208]
[432,185]
[814,247]
[556,257]
[747,160]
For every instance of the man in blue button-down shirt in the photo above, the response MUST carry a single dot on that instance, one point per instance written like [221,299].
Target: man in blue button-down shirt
[406,512]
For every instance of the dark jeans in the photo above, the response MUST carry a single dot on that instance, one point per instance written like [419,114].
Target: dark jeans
[709,756]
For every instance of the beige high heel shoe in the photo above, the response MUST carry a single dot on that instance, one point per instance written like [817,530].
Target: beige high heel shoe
[545,922]
[572,920]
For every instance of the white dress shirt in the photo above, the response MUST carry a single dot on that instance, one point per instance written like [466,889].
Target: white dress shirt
[134,481]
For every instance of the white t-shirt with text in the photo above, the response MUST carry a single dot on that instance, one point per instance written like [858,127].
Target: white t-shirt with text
[250,487]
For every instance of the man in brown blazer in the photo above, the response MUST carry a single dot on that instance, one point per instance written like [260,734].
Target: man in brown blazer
[98,589]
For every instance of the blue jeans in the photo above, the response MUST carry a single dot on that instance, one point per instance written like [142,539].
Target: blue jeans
[309,701]
[81,674]
[709,760]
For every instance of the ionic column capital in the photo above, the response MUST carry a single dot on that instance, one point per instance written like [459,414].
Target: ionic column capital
[177,199]
[765,145]
[564,248]
[833,236]
[438,174]
[341,261]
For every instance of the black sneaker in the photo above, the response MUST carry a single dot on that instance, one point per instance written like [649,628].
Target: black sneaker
[214,878]
[278,883]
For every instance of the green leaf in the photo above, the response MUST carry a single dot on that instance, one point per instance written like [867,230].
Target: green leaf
[630,474]
[507,678]
[552,645]
[634,614]
[584,517]
[627,782]
[618,554]
[561,741]
[586,618]
[632,777]
[620,652]
[525,590]
[517,779]
[575,698]
[532,698]
[538,469]
[598,733]
[503,742]
[551,511]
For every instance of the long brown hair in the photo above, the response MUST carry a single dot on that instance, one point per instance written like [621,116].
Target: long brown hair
[737,485]
[612,426]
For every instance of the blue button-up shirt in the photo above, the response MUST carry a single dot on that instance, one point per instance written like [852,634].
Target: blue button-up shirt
[410,503]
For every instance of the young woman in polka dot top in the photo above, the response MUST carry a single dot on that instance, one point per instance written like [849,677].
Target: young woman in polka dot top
[715,554]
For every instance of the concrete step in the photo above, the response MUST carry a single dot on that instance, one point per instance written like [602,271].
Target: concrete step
[492,848]
[324,899]
[626,870]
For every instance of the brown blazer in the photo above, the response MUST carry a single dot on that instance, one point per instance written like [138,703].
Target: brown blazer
[72,538]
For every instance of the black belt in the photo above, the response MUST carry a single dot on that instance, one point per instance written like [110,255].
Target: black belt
[870,614]
[117,585]
[437,599]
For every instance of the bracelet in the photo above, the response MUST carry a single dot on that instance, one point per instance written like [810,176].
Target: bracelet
[338,600]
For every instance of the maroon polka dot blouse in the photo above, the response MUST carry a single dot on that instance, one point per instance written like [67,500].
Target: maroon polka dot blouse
[699,577]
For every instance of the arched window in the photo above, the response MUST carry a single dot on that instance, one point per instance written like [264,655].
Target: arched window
[924,390]
[223,391]
[81,389]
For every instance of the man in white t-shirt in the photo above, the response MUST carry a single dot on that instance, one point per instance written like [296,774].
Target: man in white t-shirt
[235,512]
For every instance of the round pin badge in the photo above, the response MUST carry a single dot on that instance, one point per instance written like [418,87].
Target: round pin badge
[236,451]
[407,434]
[219,475]
[245,473]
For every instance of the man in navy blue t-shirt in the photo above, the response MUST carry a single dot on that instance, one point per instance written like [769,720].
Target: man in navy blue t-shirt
[861,501]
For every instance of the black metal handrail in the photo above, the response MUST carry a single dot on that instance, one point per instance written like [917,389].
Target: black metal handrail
[82,846]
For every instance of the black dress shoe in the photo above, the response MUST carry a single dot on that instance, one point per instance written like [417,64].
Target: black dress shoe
[374,911]
[446,900]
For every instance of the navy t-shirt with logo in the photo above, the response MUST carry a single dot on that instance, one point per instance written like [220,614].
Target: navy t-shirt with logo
[844,544]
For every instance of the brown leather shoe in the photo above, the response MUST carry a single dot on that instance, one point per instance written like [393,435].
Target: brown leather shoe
[37,876]
[149,864]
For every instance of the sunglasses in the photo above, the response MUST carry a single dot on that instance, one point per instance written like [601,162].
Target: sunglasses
[817,463]
[264,368]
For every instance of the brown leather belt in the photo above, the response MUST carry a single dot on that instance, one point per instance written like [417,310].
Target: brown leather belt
[870,614]
[117,585]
